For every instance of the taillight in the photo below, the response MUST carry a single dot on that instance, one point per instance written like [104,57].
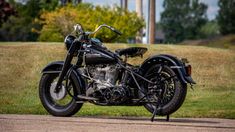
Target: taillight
[188,70]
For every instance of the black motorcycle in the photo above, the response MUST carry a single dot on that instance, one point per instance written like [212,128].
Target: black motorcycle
[103,77]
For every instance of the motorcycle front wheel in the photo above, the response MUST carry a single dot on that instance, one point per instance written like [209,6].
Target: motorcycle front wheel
[169,89]
[59,103]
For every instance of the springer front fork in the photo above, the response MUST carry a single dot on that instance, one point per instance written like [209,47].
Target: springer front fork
[67,64]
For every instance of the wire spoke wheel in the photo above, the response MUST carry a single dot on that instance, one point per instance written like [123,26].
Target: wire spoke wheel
[167,88]
[61,102]
[61,98]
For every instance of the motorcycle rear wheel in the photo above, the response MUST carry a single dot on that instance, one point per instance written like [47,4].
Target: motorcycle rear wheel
[174,90]
[63,106]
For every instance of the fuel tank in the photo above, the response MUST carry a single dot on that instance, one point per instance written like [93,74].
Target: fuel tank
[99,57]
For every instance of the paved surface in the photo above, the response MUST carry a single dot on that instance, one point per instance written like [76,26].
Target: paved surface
[42,123]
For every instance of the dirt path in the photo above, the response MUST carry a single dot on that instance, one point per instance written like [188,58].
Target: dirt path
[43,123]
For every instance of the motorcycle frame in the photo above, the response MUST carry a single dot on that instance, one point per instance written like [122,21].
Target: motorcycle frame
[70,55]
[65,69]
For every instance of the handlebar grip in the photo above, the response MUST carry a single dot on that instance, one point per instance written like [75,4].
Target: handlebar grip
[114,30]
[117,32]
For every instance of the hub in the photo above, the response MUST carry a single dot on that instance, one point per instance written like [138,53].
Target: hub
[57,95]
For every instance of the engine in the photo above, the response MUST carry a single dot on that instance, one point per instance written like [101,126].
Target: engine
[104,75]
[105,85]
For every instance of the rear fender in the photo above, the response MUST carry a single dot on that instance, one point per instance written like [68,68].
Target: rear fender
[174,63]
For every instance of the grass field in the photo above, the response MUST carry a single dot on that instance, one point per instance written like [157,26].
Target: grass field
[213,70]
[227,42]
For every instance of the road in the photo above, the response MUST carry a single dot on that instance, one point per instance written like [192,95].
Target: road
[47,123]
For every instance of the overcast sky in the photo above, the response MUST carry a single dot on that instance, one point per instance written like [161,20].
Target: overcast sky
[211,11]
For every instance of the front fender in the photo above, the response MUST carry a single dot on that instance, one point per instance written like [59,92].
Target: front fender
[53,67]
[56,67]
[174,63]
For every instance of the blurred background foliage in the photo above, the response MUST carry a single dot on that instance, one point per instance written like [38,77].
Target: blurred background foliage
[20,26]
[59,23]
[226,16]
[183,19]
[51,20]
[43,20]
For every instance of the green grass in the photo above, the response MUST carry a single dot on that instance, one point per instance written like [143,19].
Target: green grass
[213,70]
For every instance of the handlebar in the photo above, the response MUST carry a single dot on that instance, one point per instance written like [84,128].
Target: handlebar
[107,26]
[78,28]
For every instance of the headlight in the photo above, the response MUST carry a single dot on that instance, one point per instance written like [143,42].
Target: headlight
[68,41]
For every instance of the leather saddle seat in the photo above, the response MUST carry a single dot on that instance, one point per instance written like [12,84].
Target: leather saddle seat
[132,51]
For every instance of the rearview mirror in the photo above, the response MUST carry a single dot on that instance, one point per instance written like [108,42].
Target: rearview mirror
[78,28]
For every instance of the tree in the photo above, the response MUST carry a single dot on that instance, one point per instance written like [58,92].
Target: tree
[124,4]
[75,2]
[139,11]
[22,27]
[182,19]
[48,5]
[6,10]
[152,22]
[226,16]
[19,27]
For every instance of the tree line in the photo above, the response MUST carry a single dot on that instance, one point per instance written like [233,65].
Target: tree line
[52,20]
[187,20]
[40,20]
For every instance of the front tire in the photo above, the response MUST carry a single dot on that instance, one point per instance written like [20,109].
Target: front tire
[65,105]
[174,90]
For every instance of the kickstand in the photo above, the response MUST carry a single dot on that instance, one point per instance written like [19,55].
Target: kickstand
[156,110]
[158,107]
[168,118]
[154,114]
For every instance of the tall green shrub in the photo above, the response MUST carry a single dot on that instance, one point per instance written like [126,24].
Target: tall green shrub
[59,23]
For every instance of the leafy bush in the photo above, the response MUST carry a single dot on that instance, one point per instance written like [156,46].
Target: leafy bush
[209,30]
[59,23]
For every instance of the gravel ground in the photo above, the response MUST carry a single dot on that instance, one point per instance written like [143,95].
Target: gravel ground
[47,123]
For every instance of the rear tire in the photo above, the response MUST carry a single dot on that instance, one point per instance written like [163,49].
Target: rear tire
[175,91]
[56,107]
